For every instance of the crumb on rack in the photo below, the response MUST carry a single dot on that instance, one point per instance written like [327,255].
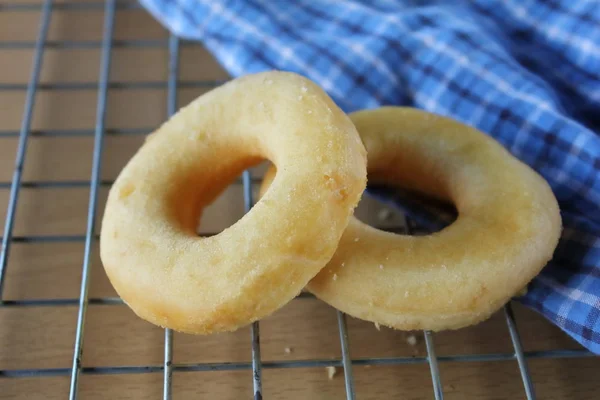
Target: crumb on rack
[406,294]
[331,372]
[356,239]
[380,266]
[411,340]
[288,350]
[335,277]
[377,326]
[342,264]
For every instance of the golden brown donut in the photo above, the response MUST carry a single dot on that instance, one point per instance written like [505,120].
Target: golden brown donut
[149,246]
[507,229]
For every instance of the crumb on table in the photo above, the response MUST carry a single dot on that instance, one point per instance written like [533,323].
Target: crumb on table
[331,372]
[411,340]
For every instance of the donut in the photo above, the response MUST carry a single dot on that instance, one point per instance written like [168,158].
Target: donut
[149,245]
[507,228]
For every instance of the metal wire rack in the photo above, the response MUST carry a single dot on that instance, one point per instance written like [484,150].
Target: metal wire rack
[172,84]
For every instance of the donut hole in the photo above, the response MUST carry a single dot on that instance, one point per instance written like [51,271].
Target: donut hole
[226,205]
[227,208]
[401,211]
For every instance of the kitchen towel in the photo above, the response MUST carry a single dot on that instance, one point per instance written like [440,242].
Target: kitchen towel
[526,72]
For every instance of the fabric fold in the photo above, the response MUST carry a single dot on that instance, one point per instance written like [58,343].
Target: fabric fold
[525,72]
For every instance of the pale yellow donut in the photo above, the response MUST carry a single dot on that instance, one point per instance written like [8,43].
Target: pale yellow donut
[507,229]
[149,246]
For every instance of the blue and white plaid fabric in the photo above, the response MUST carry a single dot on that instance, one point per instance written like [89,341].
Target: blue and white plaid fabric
[526,72]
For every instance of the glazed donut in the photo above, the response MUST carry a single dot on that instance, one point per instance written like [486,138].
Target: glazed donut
[149,246]
[507,229]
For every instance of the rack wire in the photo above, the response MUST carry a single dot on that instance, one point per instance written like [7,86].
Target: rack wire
[172,84]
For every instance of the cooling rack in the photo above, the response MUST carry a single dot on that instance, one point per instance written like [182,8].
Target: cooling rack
[12,189]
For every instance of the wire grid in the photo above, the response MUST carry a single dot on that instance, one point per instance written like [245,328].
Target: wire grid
[172,84]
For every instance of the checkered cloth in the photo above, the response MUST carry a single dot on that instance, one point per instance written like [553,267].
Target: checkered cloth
[526,72]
